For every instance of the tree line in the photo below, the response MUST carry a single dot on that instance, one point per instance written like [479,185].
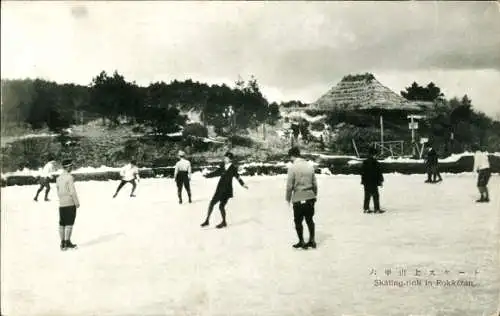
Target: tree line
[40,103]
[454,122]
[110,97]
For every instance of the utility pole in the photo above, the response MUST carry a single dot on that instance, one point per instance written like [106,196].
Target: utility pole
[413,126]
[381,135]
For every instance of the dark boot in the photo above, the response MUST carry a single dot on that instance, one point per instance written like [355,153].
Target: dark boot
[222,225]
[300,244]
[63,245]
[205,223]
[70,245]
[311,244]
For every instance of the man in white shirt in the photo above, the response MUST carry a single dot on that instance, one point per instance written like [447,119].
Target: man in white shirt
[129,174]
[182,176]
[45,178]
[482,167]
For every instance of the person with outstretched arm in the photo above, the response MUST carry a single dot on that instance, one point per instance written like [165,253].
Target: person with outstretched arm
[45,178]
[129,174]
[224,190]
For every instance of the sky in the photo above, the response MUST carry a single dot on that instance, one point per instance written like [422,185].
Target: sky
[296,50]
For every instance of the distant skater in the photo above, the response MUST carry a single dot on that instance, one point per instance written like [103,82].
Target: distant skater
[433,175]
[68,203]
[224,190]
[46,177]
[482,167]
[129,174]
[182,176]
[371,178]
[301,191]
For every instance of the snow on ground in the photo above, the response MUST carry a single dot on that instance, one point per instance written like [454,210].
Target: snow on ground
[149,256]
[87,170]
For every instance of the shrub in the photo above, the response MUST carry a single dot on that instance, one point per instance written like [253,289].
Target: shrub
[31,153]
[238,140]
[195,129]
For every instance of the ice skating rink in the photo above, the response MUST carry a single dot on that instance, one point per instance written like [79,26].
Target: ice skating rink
[148,255]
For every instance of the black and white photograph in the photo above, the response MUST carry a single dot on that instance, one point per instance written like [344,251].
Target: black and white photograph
[241,158]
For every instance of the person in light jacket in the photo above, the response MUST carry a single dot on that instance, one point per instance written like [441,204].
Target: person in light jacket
[182,176]
[129,174]
[68,203]
[45,178]
[224,190]
[482,167]
[301,191]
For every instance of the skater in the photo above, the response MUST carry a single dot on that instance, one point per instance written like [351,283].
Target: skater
[224,190]
[482,167]
[129,174]
[302,190]
[68,203]
[182,176]
[371,179]
[433,175]
[46,177]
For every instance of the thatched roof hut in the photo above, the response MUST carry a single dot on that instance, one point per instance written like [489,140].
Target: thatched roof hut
[364,93]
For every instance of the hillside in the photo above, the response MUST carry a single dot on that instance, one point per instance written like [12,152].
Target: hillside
[113,120]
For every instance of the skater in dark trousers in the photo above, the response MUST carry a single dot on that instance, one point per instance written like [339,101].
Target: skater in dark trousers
[224,190]
[371,179]
[432,164]
[129,174]
[301,191]
[482,167]
[182,176]
[46,177]
[68,203]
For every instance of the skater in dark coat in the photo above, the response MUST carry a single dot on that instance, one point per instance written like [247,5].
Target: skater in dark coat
[371,179]
[432,164]
[224,190]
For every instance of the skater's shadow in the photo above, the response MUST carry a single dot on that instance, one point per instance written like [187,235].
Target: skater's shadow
[167,202]
[192,202]
[322,238]
[247,221]
[101,239]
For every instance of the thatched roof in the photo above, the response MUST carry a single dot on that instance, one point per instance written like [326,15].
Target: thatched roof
[363,92]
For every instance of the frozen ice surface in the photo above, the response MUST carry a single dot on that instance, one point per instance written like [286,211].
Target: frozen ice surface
[148,255]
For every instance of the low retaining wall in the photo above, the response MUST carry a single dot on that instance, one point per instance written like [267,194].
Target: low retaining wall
[334,165]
